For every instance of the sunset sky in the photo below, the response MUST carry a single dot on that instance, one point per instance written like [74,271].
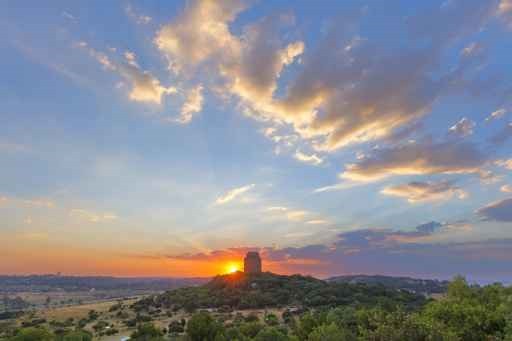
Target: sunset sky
[168,138]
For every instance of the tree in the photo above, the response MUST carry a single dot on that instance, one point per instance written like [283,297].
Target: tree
[250,329]
[34,334]
[77,335]
[203,327]
[271,319]
[147,332]
[175,327]
[271,334]
[329,332]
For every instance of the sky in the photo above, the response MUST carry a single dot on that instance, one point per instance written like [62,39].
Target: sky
[152,138]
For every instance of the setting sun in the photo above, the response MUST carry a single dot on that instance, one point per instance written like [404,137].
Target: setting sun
[232,268]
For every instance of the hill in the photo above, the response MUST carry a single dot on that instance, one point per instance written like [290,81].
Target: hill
[414,285]
[266,290]
[44,283]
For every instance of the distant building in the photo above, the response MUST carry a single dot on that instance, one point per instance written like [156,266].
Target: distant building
[252,263]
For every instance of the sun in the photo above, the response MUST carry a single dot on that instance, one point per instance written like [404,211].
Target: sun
[232,268]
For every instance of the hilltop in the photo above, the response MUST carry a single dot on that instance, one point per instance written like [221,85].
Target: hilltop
[415,285]
[268,290]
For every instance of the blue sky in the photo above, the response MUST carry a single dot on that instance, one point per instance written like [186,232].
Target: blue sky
[185,131]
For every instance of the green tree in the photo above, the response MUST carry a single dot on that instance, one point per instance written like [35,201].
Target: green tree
[203,327]
[147,332]
[251,329]
[77,335]
[271,334]
[329,332]
[34,334]
[271,319]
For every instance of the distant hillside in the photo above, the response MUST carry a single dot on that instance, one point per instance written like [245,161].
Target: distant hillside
[44,283]
[243,291]
[420,286]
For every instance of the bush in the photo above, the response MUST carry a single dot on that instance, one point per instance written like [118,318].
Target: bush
[202,327]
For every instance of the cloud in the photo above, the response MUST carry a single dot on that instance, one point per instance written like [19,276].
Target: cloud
[505,11]
[504,163]
[317,222]
[506,188]
[289,214]
[471,49]
[68,16]
[193,104]
[233,194]
[496,114]
[336,187]
[199,33]
[346,89]
[296,215]
[277,208]
[144,87]
[463,128]
[92,217]
[380,251]
[425,191]
[312,159]
[45,203]
[138,18]
[497,211]
[418,158]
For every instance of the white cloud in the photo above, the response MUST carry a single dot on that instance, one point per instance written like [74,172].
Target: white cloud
[425,191]
[139,18]
[506,188]
[144,86]
[471,49]
[346,90]
[277,208]
[131,58]
[296,215]
[68,15]
[505,11]
[312,159]
[463,128]
[39,203]
[420,158]
[92,217]
[337,187]
[193,104]
[504,163]
[317,222]
[233,194]
[499,113]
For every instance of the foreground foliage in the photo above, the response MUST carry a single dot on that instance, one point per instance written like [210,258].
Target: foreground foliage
[466,313]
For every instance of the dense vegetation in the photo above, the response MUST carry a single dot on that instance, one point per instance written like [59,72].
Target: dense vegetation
[310,310]
[241,291]
[422,286]
[467,313]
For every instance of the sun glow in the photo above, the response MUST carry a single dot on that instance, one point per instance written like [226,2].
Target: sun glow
[232,268]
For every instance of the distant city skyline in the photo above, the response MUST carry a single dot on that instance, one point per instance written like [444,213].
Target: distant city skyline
[170,138]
